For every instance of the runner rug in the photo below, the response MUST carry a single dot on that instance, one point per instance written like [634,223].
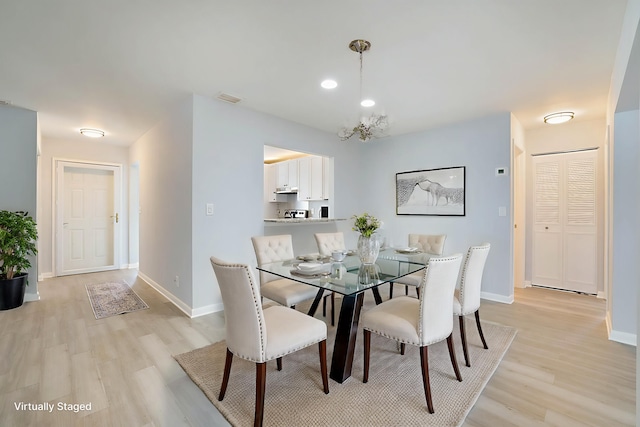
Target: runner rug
[112,298]
[393,396]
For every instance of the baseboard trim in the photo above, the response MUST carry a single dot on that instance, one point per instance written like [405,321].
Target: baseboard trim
[621,337]
[213,308]
[32,297]
[191,312]
[133,266]
[168,295]
[43,276]
[497,297]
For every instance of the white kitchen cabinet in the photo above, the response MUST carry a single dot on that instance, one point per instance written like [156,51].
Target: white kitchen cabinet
[311,178]
[270,181]
[287,174]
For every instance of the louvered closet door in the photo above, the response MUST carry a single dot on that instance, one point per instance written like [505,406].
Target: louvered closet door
[565,228]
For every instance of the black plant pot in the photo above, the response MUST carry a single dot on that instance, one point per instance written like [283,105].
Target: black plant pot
[12,291]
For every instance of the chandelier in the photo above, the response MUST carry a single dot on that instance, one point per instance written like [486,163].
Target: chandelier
[373,126]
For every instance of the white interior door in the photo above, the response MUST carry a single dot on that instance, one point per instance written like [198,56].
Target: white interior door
[87,217]
[565,228]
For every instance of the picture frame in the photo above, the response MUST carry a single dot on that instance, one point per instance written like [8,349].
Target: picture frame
[431,192]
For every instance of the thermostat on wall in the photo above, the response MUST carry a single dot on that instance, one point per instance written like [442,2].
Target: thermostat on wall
[501,171]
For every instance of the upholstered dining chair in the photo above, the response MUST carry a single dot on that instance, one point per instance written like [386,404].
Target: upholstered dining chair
[420,322]
[283,291]
[432,244]
[328,243]
[261,335]
[467,297]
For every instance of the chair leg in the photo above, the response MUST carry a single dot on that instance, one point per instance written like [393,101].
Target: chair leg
[333,308]
[367,348]
[324,306]
[225,377]
[279,363]
[261,380]
[322,348]
[390,290]
[463,337]
[480,329]
[424,363]
[418,292]
[452,355]
[402,348]
[406,289]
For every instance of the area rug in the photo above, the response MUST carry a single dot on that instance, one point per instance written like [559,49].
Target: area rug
[394,395]
[113,298]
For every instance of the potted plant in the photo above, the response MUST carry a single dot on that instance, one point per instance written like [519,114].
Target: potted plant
[18,234]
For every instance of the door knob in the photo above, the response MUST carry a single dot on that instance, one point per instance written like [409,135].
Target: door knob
[116,217]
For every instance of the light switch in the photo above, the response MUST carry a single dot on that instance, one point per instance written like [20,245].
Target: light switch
[502,211]
[209,209]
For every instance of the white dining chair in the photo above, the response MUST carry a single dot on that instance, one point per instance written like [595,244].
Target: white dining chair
[330,242]
[283,291]
[467,297]
[432,244]
[420,322]
[261,335]
[327,244]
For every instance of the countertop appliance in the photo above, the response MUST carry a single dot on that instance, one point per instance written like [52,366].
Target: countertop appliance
[296,213]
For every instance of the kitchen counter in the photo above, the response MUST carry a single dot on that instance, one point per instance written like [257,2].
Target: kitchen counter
[301,220]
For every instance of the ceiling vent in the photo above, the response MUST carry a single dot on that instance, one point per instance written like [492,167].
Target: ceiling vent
[228,98]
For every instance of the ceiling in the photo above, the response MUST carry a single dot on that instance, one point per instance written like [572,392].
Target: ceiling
[120,65]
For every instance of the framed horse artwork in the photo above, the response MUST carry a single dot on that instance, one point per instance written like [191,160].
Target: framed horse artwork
[431,192]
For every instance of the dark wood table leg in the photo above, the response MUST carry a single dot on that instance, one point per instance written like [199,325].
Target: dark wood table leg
[316,301]
[345,344]
[376,295]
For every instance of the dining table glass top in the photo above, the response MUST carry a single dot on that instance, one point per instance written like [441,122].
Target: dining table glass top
[351,277]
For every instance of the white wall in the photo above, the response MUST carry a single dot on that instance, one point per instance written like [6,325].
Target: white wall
[18,172]
[228,156]
[164,157]
[88,151]
[568,136]
[626,238]
[481,146]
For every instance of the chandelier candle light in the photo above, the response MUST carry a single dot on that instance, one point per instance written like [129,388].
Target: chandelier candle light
[368,127]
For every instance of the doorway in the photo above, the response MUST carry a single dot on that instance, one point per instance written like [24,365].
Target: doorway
[87,217]
[565,244]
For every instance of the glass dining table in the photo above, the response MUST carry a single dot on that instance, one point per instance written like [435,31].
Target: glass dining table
[351,279]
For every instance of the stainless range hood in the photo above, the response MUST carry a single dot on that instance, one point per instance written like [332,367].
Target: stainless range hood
[287,190]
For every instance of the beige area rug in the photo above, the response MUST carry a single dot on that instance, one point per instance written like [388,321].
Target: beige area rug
[113,298]
[393,396]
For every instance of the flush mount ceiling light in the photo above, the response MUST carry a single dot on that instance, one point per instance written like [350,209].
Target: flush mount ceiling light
[329,84]
[556,118]
[368,127]
[92,133]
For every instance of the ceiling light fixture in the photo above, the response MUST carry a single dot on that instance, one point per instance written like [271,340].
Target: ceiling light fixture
[556,118]
[329,84]
[368,127]
[92,133]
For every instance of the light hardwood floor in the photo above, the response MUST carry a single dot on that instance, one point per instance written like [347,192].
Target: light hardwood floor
[560,370]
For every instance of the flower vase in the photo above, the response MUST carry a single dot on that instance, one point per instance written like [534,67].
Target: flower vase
[368,249]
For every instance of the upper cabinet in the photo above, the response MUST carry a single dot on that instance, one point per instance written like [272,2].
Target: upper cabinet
[287,174]
[271,184]
[311,178]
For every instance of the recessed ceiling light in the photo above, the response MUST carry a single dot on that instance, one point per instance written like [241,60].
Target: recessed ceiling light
[368,103]
[329,84]
[92,133]
[556,118]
